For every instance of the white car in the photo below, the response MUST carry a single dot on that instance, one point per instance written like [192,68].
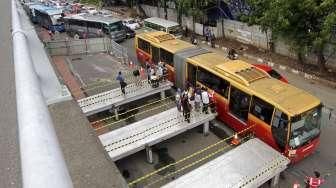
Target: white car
[91,10]
[131,23]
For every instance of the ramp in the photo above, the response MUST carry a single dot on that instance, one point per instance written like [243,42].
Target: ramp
[249,165]
[114,98]
[150,131]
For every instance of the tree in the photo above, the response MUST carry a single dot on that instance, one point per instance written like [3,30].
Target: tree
[306,25]
[194,8]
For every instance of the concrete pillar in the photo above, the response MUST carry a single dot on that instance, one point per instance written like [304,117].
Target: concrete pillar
[116,113]
[163,94]
[206,128]
[149,154]
[275,180]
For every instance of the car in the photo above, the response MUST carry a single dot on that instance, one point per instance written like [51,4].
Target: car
[273,73]
[90,10]
[131,23]
[129,32]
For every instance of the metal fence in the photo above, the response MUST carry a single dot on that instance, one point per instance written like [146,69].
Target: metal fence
[87,46]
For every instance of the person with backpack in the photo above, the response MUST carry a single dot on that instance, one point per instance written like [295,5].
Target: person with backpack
[122,82]
[186,107]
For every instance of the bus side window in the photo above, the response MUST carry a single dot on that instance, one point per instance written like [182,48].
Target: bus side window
[262,110]
[106,29]
[213,82]
[239,103]
[144,45]
[167,57]
[280,128]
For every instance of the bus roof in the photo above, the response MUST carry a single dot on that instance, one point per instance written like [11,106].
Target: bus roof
[46,9]
[162,22]
[283,96]
[165,41]
[93,18]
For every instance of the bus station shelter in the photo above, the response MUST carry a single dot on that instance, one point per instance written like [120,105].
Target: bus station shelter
[249,165]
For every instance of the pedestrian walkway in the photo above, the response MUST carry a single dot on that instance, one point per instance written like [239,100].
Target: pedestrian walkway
[68,78]
[128,140]
[248,165]
[114,98]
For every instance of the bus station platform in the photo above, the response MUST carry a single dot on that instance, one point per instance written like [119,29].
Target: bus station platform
[249,165]
[143,134]
[114,98]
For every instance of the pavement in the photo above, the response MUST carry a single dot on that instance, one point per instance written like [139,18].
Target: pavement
[85,157]
[68,78]
[324,159]
[10,168]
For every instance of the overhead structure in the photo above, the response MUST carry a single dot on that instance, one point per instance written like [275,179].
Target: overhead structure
[141,135]
[114,98]
[249,165]
[42,161]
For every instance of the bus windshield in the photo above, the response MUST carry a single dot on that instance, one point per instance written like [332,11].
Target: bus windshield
[175,30]
[305,127]
[117,26]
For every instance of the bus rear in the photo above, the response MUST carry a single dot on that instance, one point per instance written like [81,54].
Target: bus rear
[167,26]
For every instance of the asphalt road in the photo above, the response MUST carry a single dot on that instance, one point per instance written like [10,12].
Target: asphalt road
[324,159]
[10,175]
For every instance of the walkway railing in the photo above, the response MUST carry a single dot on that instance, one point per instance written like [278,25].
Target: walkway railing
[42,161]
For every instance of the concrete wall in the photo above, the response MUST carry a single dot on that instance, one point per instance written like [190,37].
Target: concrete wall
[81,46]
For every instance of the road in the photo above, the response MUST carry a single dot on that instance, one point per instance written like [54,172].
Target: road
[324,159]
[9,145]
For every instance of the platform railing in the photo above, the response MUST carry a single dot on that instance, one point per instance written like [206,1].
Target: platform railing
[42,162]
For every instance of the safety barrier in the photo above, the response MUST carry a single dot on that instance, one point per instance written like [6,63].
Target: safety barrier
[161,124]
[42,162]
[133,109]
[149,175]
[140,113]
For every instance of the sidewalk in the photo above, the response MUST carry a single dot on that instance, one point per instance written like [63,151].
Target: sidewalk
[68,78]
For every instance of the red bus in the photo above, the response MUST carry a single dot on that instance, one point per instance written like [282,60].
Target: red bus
[283,116]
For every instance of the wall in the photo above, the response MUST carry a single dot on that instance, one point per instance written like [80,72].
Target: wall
[241,32]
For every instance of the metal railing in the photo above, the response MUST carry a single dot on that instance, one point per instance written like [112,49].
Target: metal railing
[42,161]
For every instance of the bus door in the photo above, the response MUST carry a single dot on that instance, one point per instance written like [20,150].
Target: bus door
[260,117]
[155,55]
[239,104]
[192,74]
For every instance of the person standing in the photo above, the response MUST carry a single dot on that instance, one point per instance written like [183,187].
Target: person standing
[186,107]
[178,100]
[122,82]
[205,100]
[160,73]
[198,100]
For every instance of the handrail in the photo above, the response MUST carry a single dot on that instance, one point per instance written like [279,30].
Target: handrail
[42,162]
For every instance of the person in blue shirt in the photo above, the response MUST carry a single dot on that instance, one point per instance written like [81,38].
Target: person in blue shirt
[122,82]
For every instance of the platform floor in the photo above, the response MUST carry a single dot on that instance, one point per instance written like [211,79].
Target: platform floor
[114,98]
[130,139]
[248,165]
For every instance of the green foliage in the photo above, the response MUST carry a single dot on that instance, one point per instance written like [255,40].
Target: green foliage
[305,24]
[193,8]
[92,2]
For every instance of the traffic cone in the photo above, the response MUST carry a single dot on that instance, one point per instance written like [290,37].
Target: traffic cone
[235,140]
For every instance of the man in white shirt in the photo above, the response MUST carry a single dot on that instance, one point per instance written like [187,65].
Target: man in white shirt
[205,100]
